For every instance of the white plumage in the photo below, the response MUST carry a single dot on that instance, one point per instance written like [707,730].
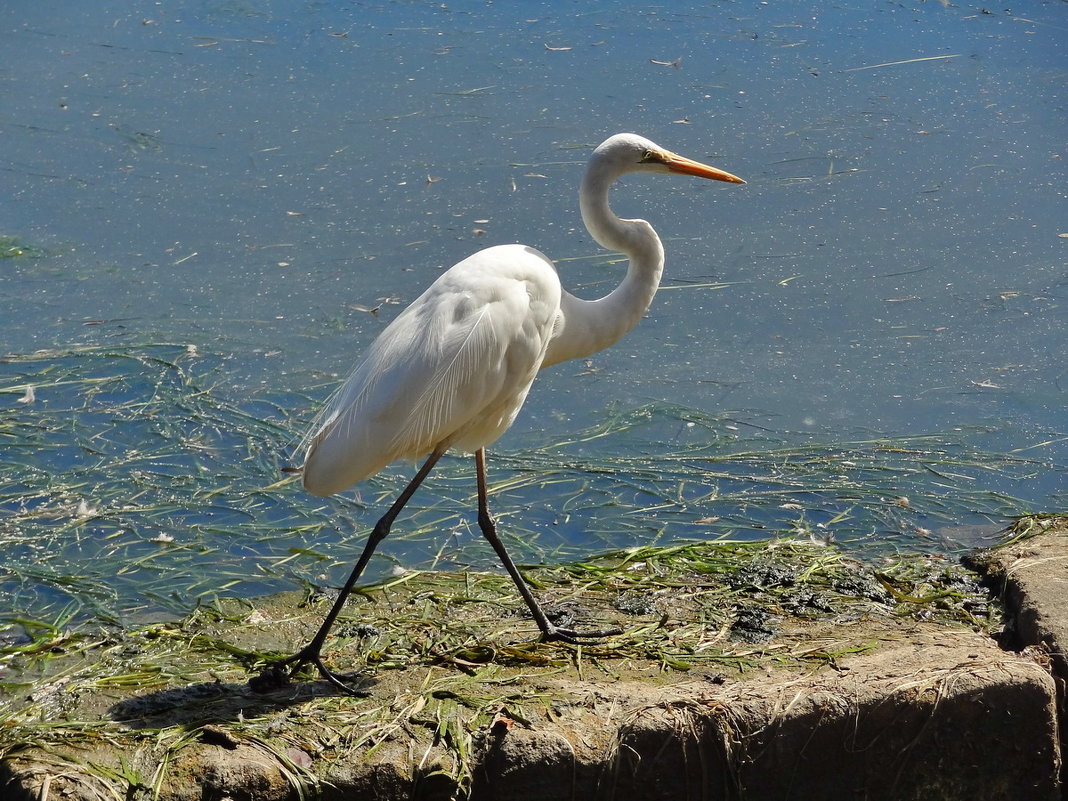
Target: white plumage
[451,371]
[454,368]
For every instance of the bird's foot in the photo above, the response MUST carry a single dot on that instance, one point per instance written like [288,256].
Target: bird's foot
[273,677]
[277,675]
[577,637]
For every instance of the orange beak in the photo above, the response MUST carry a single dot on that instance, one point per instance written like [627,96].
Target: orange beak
[685,166]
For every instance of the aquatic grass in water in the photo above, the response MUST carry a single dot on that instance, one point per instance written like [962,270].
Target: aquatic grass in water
[12,247]
[133,486]
[662,473]
[127,472]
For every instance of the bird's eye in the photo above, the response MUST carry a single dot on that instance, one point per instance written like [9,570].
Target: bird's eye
[649,155]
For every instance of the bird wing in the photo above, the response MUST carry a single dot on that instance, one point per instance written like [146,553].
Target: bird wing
[453,369]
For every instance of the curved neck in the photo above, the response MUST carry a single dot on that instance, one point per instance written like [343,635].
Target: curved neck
[587,326]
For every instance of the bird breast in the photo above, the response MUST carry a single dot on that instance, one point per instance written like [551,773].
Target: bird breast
[451,371]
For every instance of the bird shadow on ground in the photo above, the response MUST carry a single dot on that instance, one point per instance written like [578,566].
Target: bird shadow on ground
[219,702]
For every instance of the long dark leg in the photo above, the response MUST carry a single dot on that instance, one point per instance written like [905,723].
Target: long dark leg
[489,531]
[310,653]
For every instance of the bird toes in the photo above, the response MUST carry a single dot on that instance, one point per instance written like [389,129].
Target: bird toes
[338,679]
[574,637]
[273,677]
[277,675]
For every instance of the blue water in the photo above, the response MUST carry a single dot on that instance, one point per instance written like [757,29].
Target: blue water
[248,178]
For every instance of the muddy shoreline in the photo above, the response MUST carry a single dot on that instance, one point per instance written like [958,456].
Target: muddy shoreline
[855,682]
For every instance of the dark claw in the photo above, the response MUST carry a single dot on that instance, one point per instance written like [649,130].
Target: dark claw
[276,675]
[577,637]
[273,677]
[337,679]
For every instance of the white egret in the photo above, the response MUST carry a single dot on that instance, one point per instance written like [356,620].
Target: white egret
[453,369]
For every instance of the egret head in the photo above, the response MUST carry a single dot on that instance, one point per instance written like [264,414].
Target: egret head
[627,152]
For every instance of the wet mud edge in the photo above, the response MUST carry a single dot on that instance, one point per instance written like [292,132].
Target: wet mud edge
[930,713]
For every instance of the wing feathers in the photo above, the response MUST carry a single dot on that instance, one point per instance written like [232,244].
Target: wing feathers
[453,369]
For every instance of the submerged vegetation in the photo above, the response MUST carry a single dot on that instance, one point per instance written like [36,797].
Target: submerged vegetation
[135,486]
[12,247]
